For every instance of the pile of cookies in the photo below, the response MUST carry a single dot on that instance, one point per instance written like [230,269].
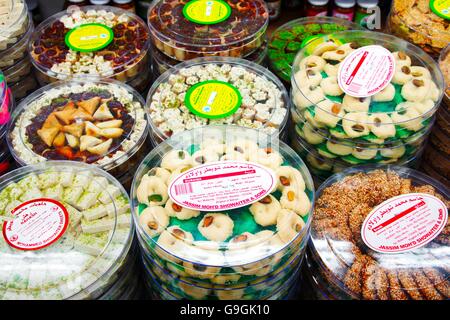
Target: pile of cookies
[206,238]
[362,249]
[347,123]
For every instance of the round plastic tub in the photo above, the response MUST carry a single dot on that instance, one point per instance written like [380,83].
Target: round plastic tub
[288,39]
[97,122]
[322,163]
[186,97]
[354,249]
[415,22]
[245,250]
[24,87]
[161,63]
[15,33]
[90,236]
[58,51]
[322,73]
[18,71]
[183,31]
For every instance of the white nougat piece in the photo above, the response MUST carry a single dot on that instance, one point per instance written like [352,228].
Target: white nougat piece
[87,200]
[105,224]
[82,179]
[95,212]
[30,182]
[74,215]
[56,192]
[109,194]
[48,179]
[31,194]
[72,195]
[66,178]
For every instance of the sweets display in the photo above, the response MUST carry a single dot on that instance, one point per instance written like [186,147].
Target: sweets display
[184,30]
[200,243]
[161,63]
[381,104]
[216,91]
[355,251]
[90,41]
[421,22]
[97,122]
[78,239]
[288,39]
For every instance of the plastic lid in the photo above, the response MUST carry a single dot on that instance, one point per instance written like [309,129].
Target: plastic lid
[288,39]
[227,235]
[119,39]
[77,234]
[233,23]
[367,4]
[186,97]
[359,209]
[345,3]
[412,84]
[318,2]
[101,122]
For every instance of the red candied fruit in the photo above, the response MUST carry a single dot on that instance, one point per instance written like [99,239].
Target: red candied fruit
[118,34]
[51,52]
[132,23]
[108,57]
[38,50]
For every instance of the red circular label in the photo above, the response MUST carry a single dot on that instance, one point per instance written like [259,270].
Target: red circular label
[404,223]
[36,224]
[366,71]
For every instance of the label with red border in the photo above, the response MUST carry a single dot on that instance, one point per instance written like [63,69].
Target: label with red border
[404,223]
[366,71]
[221,186]
[37,224]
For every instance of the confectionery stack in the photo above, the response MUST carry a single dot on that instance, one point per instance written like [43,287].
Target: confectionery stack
[16,27]
[437,154]
[367,244]
[242,236]
[383,115]
[184,30]
[83,246]
[288,39]
[250,96]
[6,106]
[118,47]
[97,122]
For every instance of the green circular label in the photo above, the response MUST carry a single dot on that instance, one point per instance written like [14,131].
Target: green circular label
[213,99]
[89,37]
[441,8]
[207,11]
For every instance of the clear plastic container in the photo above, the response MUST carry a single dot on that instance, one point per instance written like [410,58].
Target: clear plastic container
[413,86]
[251,97]
[322,166]
[98,122]
[18,51]
[415,22]
[122,55]
[242,246]
[161,63]
[90,237]
[24,87]
[288,39]
[6,105]
[18,71]
[231,29]
[353,263]
[15,24]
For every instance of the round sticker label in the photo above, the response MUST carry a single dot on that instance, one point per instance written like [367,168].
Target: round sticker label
[37,224]
[366,71]
[89,37]
[441,8]
[404,223]
[222,186]
[213,99]
[207,11]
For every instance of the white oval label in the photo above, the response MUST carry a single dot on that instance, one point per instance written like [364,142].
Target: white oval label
[222,186]
[37,224]
[366,71]
[404,223]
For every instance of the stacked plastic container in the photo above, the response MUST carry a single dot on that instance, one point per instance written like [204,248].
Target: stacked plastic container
[97,122]
[59,50]
[75,236]
[186,97]
[288,39]
[226,249]
[15,34]
[335,129]
[354,252]
[6,107]
[437,155]
[184,30]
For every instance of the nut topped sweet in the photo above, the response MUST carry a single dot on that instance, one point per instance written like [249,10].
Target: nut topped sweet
[92,122]
[382,233]
[185,29]
[216,91]
[116,44]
